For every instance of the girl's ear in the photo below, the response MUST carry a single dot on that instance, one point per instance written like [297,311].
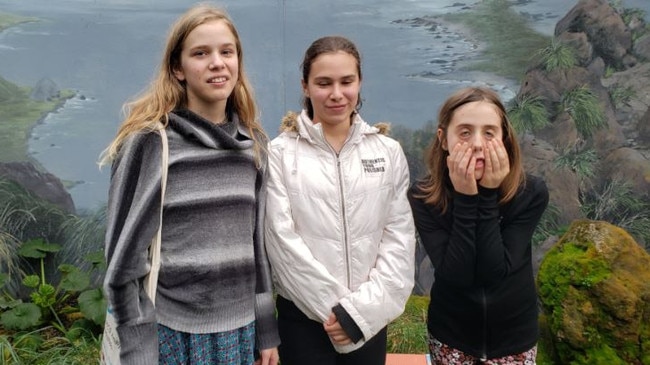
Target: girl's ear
[440,134]
[179,74]
[305,91]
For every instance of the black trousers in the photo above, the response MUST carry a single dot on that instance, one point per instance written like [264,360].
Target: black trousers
[305,341]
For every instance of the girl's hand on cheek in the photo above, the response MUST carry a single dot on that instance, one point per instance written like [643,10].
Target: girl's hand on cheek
[497,164]
[461,165]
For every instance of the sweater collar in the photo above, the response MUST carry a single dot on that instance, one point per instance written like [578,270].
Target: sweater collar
[231,135]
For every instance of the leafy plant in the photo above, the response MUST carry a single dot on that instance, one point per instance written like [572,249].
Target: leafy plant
[58,305]
[621,95]
[557,56]
[617,203]
[628,14]
[527,114]
[549,225]
[582,105]
[582,161]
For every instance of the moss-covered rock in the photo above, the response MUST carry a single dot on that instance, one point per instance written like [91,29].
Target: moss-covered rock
[594,284]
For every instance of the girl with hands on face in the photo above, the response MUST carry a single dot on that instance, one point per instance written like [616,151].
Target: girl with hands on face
[476,211]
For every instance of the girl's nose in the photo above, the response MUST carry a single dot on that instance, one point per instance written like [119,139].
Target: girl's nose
[477,143]
[216,62]
[336,92]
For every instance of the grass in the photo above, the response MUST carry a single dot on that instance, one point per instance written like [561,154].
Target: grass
[18,115]
[42,348]
[408,333]
[9,20]
[494,23]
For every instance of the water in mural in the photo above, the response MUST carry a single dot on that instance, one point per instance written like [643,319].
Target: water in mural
[107,52]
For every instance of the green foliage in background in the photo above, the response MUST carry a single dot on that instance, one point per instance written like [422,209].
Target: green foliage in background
[557,56]
[408,333]
[585,110]
[621,95]
[414,143]
[615,202]
[51,305]
[581,160]
[527,114]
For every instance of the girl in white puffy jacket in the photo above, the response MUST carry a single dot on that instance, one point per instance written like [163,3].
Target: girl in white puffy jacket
[339,229]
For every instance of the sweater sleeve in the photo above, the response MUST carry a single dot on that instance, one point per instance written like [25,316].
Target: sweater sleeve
[132,220]
[450,242]
[266,329]
[382,298]
[504,248]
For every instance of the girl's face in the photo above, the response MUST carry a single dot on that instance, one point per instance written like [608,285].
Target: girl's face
[209,66]
[333,88]
[473,123]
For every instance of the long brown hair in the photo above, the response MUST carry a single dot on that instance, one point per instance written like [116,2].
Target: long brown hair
[149,111]
[434,186]
[328,44]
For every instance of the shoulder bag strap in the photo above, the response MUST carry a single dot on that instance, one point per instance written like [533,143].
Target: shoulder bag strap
[151,281]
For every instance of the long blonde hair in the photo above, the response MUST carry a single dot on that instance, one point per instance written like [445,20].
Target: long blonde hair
[149,111]
[433,186]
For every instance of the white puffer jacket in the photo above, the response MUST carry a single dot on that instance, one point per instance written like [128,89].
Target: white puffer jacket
[339,229]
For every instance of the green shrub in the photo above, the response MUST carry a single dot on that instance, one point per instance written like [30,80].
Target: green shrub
[621,95]
[583,106]
[582,161]
[557,56]
[59,305]
[527,114]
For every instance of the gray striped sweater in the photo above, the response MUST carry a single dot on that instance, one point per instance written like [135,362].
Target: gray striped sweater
[214,275]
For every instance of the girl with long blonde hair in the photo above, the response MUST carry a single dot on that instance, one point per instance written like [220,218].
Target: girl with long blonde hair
[214,302]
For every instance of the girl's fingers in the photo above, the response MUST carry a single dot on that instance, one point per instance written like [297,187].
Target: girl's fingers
[495,161]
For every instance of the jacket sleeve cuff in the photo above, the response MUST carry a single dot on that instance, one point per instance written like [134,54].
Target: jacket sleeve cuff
[349,326]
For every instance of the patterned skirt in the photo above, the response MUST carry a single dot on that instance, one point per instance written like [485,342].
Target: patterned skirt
[236,347]
[442,354]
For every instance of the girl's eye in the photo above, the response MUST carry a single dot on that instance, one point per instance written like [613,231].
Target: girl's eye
[228,52]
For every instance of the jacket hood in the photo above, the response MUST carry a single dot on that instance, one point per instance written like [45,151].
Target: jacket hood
[290,123]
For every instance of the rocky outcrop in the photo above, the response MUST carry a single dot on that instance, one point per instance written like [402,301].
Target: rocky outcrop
[44,90]
[612,66]
[604,29]
[594,285]
[42,184]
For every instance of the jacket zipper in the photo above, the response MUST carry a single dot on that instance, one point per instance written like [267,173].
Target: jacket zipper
[485,314]
[342,201]
[345,222]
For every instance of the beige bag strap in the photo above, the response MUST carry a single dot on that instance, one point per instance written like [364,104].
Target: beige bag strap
[151,281]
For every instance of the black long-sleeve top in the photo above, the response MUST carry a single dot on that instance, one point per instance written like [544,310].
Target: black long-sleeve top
[483,299]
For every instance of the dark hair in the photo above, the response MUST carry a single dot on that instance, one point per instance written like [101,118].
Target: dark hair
[328,44]
[434,188]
